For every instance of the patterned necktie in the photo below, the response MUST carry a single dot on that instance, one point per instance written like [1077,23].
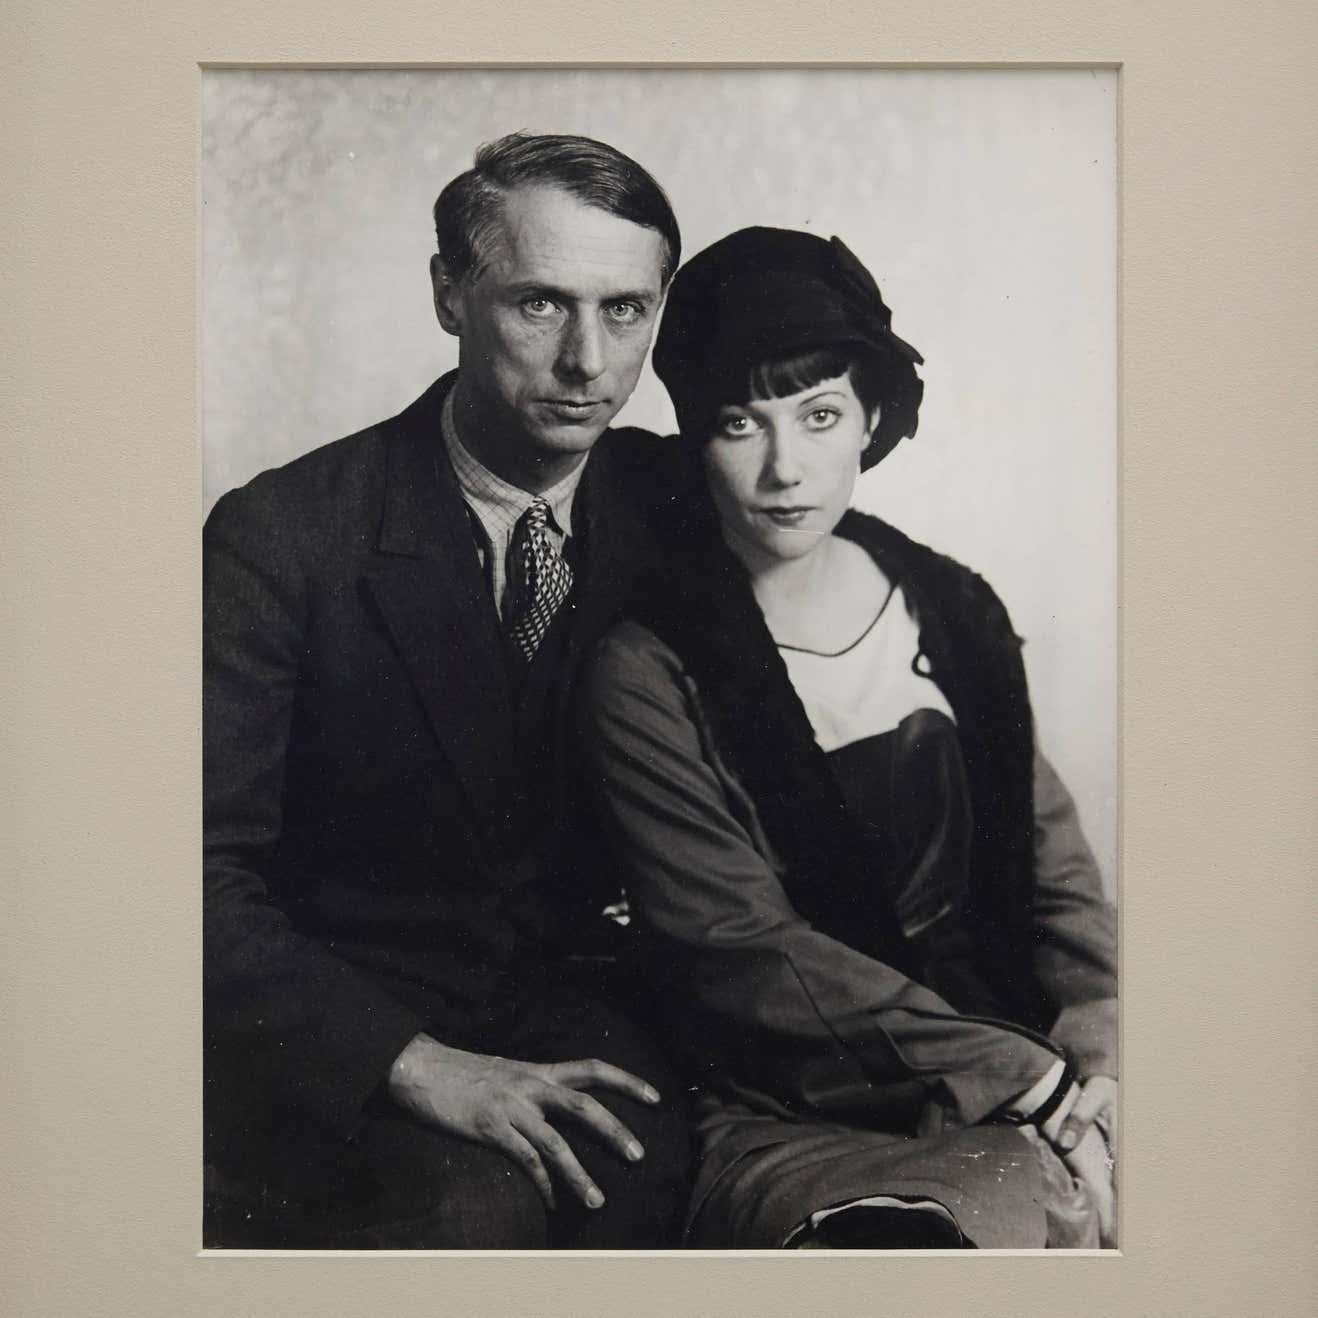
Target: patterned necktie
[539,579]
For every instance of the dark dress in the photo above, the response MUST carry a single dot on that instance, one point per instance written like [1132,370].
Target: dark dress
[830,1076]
[907,790]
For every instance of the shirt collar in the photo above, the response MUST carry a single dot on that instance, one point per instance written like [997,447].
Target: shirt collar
[497,504]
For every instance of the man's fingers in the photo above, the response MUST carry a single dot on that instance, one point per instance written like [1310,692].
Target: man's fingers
[593,1074]
[584,1109]
[555,1150]
[522,1151]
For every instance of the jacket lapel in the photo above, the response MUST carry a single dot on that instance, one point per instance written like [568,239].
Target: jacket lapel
[427,584]
[614,543]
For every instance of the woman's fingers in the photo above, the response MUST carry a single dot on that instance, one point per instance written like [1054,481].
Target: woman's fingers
[1089,1163]
[1106,1121]
[1097,1097]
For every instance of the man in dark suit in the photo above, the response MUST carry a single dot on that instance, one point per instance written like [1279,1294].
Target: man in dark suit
[393,878]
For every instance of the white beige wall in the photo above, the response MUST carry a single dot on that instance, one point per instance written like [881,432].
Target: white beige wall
[984,202]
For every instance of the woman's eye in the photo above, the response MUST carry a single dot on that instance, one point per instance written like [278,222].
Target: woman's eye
[820,418]
[735,426]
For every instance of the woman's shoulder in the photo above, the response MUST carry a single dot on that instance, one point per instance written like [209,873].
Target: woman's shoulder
[629,641]
[630,656]
[910,563]
[886,543]
[633,693]
[855,569]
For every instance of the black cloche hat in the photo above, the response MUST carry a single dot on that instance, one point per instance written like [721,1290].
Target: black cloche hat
[764,294]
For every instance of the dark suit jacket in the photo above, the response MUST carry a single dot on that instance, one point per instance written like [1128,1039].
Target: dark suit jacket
[368,872]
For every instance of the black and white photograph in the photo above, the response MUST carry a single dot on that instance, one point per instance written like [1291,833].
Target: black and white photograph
[660,659]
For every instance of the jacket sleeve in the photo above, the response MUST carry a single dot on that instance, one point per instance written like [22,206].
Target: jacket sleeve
[1077,926]
[288,1025]
[827,1023]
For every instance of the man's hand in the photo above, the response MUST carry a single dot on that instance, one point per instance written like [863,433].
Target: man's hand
[509,1105]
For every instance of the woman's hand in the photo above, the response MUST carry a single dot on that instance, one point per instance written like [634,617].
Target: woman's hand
[1091,1164]
[1096,1104]
[1083,1131]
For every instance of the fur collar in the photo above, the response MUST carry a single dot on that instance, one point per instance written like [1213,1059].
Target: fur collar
[701,605]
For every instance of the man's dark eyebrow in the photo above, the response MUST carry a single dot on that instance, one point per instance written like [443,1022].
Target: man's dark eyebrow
[531,288]
[644,296]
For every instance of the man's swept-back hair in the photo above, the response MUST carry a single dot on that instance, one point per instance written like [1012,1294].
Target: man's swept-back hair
[467,211]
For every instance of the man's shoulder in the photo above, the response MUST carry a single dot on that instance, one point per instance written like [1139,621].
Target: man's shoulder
[310,496]
[648,470]
[631,447]
[338,484]
[322,470]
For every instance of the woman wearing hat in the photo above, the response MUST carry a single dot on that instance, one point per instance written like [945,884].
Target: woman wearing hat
[872,924]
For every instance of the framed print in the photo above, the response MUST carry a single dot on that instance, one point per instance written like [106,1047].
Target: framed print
[987,195]
[1207,581]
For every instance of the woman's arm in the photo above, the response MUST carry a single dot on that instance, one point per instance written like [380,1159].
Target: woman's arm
[1077,957]
[820,1022]
[1077,964]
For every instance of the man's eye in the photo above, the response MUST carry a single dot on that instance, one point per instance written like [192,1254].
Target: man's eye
[538,306]
[623,313]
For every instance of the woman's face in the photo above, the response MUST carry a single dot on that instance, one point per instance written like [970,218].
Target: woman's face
[781,470]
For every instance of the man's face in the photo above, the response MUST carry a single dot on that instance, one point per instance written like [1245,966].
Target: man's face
[555,328]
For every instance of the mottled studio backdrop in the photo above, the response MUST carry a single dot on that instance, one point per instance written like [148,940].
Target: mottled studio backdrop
[983,201]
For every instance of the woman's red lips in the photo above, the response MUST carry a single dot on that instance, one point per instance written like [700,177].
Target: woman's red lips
[787,516]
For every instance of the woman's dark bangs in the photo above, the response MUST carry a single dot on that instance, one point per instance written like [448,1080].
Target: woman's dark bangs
[790,375]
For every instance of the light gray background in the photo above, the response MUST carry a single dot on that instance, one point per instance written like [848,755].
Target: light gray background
[983,201]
